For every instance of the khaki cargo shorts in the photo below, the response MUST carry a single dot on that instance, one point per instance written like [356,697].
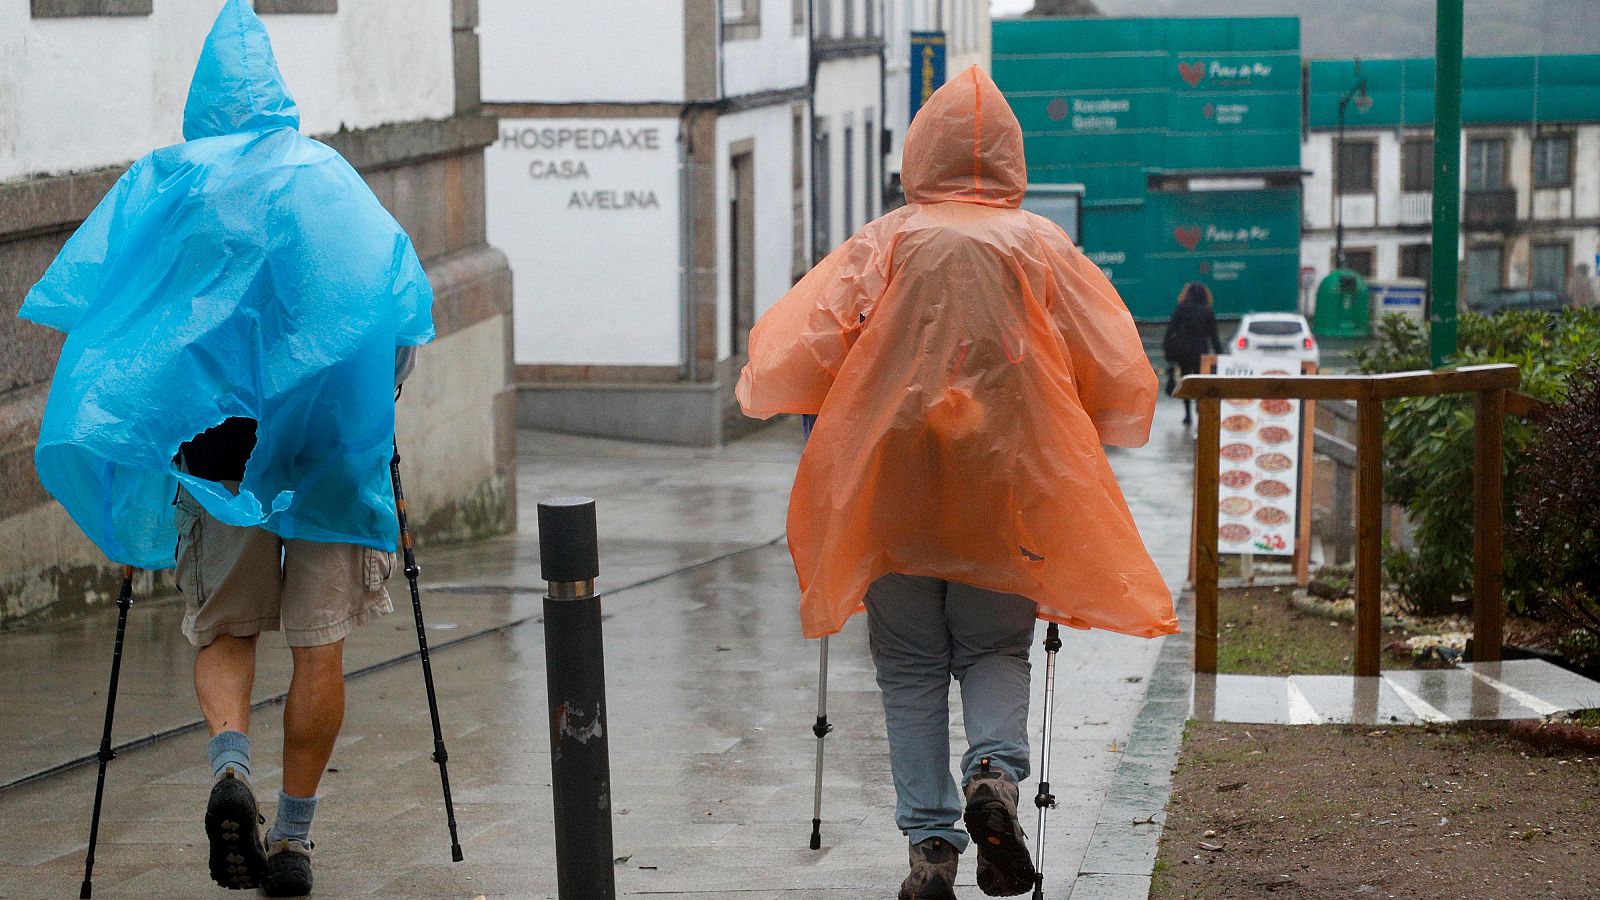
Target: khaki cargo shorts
[243,581]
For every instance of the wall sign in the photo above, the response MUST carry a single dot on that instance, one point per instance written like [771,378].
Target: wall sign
[928,53]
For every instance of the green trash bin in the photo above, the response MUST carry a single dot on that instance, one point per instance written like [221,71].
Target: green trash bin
[1343,305]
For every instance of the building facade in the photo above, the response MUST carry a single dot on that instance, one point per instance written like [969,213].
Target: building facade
[654,185]
[847,125]
[1530,152]
[87,86]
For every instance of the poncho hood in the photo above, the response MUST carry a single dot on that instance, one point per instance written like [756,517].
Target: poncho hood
[237,86]
[965,145]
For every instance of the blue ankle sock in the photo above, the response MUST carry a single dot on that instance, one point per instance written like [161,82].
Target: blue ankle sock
[230,749]
[294,818]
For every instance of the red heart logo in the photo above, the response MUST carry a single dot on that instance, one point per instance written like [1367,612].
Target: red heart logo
[1189,237]
[1209,110]
[1193,73]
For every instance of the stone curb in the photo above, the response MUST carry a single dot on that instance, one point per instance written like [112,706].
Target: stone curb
[1122,848]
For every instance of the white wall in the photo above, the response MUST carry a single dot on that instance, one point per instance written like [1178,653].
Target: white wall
[591,286]
[773,61]
[769,129]
[557,51]
[847,93]
[82,93]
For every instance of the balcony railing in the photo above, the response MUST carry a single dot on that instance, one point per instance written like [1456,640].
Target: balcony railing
[1490,209]
[1416,209]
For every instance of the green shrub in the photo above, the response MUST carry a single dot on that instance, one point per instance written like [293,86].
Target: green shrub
[1556,530]
[1428,440]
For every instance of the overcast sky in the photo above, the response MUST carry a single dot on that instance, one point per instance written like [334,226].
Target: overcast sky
[999,8]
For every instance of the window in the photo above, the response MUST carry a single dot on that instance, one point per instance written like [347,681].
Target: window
[797,11]
[849,150]
[266,7]
[821,191]
[870,11]
[1356,259]
[1550,264]
[1485,271]
[65,9]
[1486,164]
[1552,161]
[797,162]
[1416,261]
[869,184]
[741,19]
[1416,165]
[1355,167]
[824,13]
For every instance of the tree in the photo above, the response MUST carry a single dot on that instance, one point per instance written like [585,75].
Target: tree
[1065,9]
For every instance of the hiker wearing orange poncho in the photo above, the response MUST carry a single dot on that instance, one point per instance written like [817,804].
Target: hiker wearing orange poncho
[966,363]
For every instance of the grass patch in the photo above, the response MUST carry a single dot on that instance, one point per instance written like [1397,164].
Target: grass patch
[1260,633]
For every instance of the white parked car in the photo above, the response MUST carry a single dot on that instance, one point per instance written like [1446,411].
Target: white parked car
[1286,335]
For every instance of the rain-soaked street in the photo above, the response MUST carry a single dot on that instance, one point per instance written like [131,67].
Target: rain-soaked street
[712,697]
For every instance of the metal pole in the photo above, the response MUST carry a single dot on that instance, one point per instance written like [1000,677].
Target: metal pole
[575,672]
[1046,800]
[1443,288]
[821,730]
[1338,188]
[124,601]
[413,571]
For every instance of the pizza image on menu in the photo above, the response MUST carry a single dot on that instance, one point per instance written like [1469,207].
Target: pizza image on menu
[1234,534]
[1271,516]
[1233,402]
[1272,488]
[1237,452]
[1238,424]
[1237,479]
[1275,434]
[1274,462]
[1235,506]
[1277,407]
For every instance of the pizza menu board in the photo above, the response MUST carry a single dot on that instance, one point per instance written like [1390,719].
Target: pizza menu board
[1258,485]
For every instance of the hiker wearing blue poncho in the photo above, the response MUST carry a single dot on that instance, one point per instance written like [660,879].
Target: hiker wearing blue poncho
[233,309]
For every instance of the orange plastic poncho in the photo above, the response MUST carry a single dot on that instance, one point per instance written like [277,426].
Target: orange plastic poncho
[966,362]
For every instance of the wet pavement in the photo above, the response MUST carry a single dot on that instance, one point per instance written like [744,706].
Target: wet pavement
[712,696]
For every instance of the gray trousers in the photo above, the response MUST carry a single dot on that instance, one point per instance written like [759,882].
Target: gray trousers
[925,631]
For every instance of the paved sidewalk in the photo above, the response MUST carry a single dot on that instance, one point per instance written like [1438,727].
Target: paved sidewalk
[712,695]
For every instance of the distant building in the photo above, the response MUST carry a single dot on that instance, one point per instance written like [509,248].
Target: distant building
[951,35]
[1530,163]
[88,86]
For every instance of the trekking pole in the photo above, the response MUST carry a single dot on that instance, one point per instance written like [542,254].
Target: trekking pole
[1045,800]
[820,729]
[124,601]
[440,755]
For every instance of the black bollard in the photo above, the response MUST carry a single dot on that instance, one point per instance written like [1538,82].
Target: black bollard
[575,672]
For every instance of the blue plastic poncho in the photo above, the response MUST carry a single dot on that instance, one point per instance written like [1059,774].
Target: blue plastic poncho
[248,272]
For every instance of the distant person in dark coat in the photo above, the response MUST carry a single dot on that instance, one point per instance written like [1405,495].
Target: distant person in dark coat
[1191,333]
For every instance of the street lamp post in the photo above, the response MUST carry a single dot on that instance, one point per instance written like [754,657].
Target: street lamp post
[1363,102]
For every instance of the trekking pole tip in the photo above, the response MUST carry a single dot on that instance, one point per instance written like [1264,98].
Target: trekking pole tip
[85,891]
[455,853]
[568,549]
[816,834]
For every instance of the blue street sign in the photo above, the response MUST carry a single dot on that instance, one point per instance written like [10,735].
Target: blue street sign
[927,66]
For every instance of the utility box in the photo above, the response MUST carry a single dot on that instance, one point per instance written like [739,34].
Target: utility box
[1402,296]
[1343,305]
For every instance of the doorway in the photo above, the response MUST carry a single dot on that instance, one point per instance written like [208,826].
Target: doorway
[741,249]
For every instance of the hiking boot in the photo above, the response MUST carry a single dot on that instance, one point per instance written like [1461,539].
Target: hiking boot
[1005,868]
[288,869]
[933,871]
[233,829]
